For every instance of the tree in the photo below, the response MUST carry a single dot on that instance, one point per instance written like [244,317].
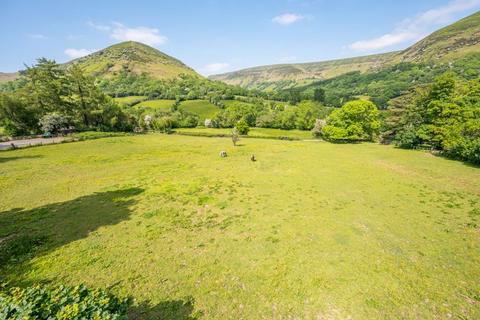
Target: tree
[16,115]
[242,127]
[446,117]
[235,136]
[46,86]
[355,121]
[306,113]
[84,97]
[319,95]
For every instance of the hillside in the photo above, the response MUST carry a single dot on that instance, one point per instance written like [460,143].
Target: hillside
[282,76]
[445,45]
[449,43]
[4,76]
[134,57]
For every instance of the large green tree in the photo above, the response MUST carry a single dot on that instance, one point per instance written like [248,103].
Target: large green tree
[445,116]
[355,121]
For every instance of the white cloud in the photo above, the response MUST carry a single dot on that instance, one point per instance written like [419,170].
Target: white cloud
[417,27]
[214,67]
[37,36]
[119,31]
[287,19]
[287,59]
[150,36]
[78,53]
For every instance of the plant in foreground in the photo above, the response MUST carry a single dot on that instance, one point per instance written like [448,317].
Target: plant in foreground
[61,302]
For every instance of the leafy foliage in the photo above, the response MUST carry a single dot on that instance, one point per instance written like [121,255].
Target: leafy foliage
[54,122]
[445,116]
[48,88]
[61,302]
[355,121]
[242,127]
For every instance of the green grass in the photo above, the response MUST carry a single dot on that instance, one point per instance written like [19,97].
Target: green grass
[160,104]
[254,132]
[310,230]
[204,109]
[131,100]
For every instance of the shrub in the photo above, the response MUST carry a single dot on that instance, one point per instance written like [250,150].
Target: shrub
[318,127]
[54,122]
[208,123]
[242,127]
[356,120]
[61,302]
[163,124]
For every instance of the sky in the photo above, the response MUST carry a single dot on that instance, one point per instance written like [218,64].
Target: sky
[216,36]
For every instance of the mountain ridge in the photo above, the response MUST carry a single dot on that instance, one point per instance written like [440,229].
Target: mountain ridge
[450,42]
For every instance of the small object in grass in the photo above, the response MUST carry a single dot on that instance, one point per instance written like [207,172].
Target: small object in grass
[252,157]
[223,154]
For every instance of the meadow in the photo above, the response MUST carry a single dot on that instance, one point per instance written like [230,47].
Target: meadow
[252,133]
[202,108]
[311,230]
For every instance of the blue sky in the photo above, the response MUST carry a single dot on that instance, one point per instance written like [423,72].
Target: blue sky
[215,36]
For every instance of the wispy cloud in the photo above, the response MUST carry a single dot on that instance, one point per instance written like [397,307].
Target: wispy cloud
[100,27]
[287,19]
[287,59]
[78,53]
[214,67]
[119,31]
[417,27]
[37,36]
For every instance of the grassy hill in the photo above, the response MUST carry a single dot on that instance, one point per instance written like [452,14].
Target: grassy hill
[135,57]
[5,76]
[282,76]
[443,46]
[447,44]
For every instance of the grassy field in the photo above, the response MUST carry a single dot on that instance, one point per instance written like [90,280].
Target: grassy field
[160,104]
[311,230]
[202,108]
[254,132]
[130,100]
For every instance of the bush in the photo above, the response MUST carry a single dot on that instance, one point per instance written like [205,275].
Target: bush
[242,127]
[163,124]
[318,127]
[54,123]
[61,302]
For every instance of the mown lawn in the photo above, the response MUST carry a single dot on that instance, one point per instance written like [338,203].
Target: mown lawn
[254,132]
[311,230]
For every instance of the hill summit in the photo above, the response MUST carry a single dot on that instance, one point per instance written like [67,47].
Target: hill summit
[135,57]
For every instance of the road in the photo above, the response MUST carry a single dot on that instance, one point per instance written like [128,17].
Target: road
[29,142]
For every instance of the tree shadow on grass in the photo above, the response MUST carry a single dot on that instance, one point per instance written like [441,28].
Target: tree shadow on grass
[6,159]
[166,310]
[25,234]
